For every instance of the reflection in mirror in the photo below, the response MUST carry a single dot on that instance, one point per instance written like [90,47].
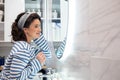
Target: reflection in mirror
[60,49]
[60,25]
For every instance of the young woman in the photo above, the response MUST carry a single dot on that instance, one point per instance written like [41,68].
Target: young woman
[29,51]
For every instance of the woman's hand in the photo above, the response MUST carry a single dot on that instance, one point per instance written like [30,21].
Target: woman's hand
[41,57]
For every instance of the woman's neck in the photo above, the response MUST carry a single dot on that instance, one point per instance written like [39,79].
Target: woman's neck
[29,40]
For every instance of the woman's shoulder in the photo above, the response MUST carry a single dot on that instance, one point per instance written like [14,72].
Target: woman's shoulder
[21,45]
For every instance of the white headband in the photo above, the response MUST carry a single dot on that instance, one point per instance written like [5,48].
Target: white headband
[22,20]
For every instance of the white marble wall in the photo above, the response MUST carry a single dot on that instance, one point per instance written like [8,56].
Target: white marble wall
[104,68]
[104,36]
[96,48]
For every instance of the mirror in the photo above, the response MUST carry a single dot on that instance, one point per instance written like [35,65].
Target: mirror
[54,15]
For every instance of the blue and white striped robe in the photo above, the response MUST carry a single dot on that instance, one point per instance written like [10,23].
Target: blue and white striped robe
[22,64]
[59,52]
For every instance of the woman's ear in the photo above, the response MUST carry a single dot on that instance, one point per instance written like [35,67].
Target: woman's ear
[25,30]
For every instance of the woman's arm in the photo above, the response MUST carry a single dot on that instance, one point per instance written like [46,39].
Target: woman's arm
[42,45]
[22,67]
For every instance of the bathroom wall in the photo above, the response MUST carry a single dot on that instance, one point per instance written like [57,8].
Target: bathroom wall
[105,33]
[96,47]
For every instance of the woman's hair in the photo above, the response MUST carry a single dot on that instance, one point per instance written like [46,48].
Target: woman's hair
[18,33]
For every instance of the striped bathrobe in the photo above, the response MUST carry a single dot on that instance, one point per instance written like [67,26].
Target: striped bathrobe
[59,52]
[22,64]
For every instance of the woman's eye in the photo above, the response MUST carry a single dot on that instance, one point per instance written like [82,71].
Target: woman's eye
[36,26]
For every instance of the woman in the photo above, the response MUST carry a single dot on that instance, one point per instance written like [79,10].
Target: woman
[29,51]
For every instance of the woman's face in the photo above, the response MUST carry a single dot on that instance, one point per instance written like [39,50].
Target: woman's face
[33,31]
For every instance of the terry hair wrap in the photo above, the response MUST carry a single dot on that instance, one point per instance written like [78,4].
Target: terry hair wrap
[23,19]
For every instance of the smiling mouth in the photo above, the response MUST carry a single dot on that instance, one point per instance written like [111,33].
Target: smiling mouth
[38,33]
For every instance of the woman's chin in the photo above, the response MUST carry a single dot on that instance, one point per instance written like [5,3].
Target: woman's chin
[37,37]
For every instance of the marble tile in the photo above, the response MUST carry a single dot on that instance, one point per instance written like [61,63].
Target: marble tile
[103,68]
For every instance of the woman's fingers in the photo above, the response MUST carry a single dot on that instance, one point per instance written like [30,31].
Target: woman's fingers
[41,57]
